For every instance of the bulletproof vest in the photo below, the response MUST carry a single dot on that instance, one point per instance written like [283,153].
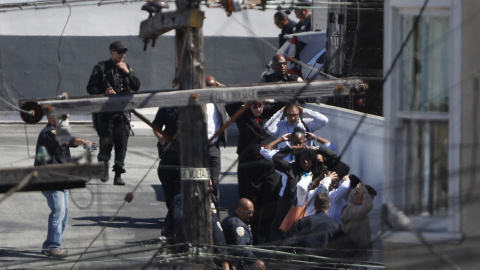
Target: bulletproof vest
[117,79]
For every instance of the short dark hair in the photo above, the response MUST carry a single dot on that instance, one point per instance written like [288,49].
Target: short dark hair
[290,106]
[354,180]
[321,202]
[297,130]
[341,169]
[371,191]
[280,15]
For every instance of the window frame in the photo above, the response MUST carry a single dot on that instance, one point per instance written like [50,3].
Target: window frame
[395,192]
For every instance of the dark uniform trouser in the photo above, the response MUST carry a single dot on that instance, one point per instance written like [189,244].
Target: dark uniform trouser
[113,133]
[258,182]
[169,175]
[283,205]
[215,164]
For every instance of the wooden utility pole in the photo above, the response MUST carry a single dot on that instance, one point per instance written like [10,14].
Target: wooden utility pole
[187,21]
[197,227]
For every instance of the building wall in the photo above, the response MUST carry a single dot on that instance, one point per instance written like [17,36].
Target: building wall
[44,53]
[31,66]
[470,155]
[443,250]
[359,139]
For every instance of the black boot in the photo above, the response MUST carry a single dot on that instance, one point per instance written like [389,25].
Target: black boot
[104,177]
[117,180]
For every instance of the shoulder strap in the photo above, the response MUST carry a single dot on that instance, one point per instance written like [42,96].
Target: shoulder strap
[304,124]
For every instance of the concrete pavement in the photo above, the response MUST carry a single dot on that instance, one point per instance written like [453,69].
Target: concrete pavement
[128,242]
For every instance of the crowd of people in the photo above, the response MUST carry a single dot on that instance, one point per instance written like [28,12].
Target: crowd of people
[294,189]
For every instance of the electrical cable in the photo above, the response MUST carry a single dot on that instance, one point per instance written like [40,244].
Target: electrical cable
[114,215]
[58,46]
[387,74]
[385,79]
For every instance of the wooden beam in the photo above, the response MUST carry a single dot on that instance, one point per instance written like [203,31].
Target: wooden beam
[163,22]
[51,176]
[181,98]
[194,152]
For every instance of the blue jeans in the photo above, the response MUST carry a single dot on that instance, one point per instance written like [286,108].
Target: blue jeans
[57,220]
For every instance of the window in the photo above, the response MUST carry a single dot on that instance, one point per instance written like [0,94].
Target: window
[424,88]
[421,117]
[425,63]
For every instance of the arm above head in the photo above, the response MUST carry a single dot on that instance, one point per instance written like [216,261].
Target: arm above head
[278,159]
[232,108]
[361,211]
[341,191]
[329,154]
[315,121]
[271,127]
[272,144]
[268,153]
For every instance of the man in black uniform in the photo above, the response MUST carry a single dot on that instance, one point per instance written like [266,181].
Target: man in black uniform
[237,232]
[169,167]
[111,77]
[303,11]
[282,21]
[279,66]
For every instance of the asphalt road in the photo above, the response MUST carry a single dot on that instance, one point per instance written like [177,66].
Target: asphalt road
[103,232]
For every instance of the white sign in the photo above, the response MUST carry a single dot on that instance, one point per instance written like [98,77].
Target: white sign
[224,95]
[195,173]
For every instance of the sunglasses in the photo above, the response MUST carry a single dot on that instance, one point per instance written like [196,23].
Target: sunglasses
[257,106]
[120,52]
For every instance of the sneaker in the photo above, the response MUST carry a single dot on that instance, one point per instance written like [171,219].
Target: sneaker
[55,253]
[105,176]
[118,181]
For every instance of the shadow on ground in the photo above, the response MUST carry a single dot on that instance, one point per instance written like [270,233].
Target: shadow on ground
[11,252]
[121,222]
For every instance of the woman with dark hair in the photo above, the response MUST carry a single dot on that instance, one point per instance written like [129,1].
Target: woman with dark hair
[301,169]
[257,180]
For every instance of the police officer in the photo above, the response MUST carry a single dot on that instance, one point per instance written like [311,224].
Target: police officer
[287,26]
[237,232]
[112,77]
[279,67]
[57,199]
[217,231]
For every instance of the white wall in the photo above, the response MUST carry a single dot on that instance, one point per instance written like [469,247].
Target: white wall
[365,152]
[46,52]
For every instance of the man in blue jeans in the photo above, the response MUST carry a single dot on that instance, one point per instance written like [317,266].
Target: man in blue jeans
[50,151]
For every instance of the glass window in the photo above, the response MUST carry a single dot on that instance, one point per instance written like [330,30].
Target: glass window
[424,78]
[424,89]
[427,167]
